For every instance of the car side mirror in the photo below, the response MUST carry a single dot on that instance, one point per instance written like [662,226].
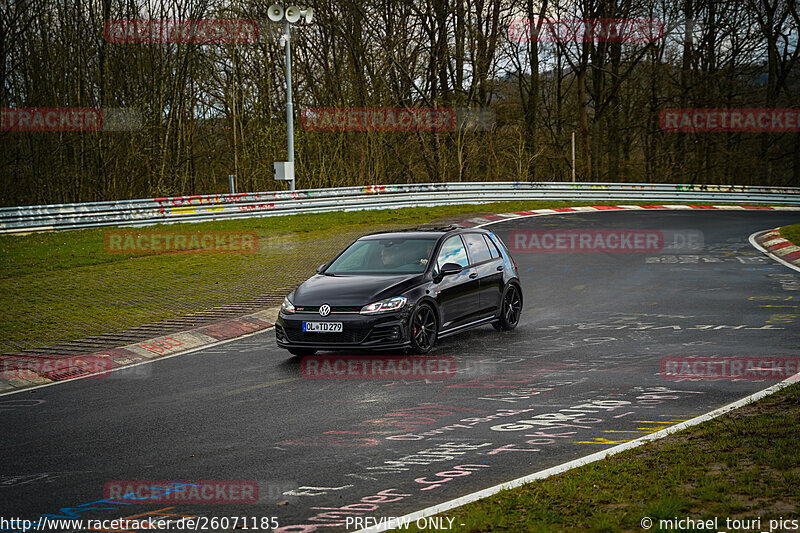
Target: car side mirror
[321,268]
[450,268]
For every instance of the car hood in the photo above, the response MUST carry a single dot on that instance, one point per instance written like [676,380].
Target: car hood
[352,290]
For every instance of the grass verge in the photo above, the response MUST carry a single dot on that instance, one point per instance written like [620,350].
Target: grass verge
[791,233]
[742,465]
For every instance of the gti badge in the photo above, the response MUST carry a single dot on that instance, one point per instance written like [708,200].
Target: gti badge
[324,310]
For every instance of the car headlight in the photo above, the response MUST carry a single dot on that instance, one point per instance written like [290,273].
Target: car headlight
[384,306]
[287,306]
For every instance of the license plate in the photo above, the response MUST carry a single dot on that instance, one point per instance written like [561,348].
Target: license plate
[323,327]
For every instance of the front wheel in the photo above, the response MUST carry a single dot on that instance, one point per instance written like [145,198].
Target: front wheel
[510,310]
[423,329]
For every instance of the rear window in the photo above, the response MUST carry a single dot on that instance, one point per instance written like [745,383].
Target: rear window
[492,247]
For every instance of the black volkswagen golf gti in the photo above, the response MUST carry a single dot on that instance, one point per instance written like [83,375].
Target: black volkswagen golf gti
[403,289]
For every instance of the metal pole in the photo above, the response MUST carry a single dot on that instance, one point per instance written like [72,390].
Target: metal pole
[289,108]
[232,182]
[573,157]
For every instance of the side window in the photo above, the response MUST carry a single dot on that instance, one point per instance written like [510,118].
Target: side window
[478,250]
[492,247]
[452,251]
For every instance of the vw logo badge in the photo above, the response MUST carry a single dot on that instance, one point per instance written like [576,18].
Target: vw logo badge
[324,310]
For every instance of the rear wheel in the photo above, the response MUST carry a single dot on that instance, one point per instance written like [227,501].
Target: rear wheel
[302,352]
[423,329]
[510,310]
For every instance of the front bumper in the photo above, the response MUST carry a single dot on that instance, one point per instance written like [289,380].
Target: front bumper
[383,331]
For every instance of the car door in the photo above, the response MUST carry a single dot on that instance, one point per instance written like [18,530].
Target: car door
[485,259]
[456,294]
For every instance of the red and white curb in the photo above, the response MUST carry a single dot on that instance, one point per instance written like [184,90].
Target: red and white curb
[772,244]
[127,356]
[493,219]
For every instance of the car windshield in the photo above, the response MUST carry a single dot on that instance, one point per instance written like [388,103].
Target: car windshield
[384,256]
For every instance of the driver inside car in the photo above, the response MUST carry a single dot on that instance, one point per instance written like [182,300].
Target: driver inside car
[389,257]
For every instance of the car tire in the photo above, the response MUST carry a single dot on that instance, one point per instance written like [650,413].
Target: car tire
[510,308]
[423,329]
[302,352]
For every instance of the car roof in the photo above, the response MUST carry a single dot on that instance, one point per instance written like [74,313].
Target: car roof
[422,232]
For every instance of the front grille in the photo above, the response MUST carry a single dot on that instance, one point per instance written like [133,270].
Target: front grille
[345,308]
[352,336]
[334,309]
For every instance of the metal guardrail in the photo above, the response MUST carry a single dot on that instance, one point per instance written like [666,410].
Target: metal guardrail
[263,204]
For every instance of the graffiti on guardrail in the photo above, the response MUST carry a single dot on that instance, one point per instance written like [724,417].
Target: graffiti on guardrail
[254,204]
[735,189]
[243,202]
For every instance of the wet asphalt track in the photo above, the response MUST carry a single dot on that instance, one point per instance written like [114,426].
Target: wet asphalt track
[587,355]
